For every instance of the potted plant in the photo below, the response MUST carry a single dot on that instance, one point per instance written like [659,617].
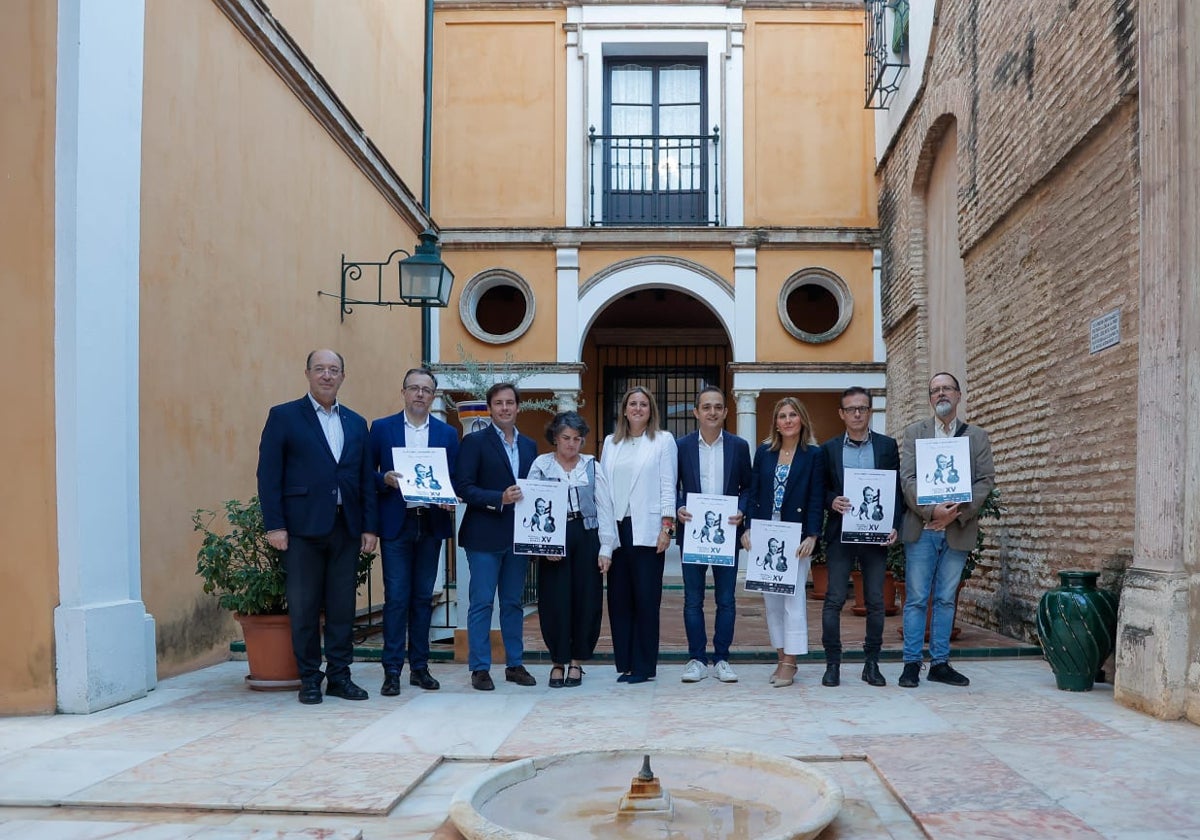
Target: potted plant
[474,377]
[820,565]
[246,573]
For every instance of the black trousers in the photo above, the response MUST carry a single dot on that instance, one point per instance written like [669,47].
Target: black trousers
[320,576]
[570,596]
[634,599]
[872,562]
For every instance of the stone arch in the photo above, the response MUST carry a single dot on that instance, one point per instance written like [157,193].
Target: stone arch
[608,284]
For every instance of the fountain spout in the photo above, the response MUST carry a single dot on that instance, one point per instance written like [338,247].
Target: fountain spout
[645,794]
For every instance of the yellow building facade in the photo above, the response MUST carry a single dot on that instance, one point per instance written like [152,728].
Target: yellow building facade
[664,193]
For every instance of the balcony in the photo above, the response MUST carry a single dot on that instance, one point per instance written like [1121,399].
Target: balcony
[654,180]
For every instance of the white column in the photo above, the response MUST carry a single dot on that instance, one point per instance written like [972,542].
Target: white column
[880,349]
[104,639]
[747,416]
[567,264]
[732,130]
[745,299]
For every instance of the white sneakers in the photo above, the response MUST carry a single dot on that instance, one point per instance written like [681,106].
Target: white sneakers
[695,671]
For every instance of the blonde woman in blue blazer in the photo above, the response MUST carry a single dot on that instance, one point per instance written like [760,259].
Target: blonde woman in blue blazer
[787,483]
[640,460]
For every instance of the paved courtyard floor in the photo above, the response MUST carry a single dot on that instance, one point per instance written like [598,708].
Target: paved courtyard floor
[203,757]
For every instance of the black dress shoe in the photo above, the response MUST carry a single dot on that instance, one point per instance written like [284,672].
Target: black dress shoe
[391,684]
[310,692]
[517,674]
[346,689]
[482,681]
[557,681]
[833,675]
[911,676]
[871,674]
[943,673]
[624,677]
[574,681]
[635,679]
[421,678]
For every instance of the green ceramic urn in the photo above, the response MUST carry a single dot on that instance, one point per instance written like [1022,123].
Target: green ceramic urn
[1077,624]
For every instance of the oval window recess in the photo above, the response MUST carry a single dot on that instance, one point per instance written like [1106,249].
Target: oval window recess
[815,305]
[497,306]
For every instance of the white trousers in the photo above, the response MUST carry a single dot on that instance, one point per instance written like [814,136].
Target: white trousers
[787,617]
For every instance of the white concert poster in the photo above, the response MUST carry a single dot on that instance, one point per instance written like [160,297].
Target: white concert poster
[872,495]
[772,565]
[709,538]
[943,470]
[540,518]
[424,475]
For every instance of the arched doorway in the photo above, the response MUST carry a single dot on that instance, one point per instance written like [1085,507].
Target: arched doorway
[662,326]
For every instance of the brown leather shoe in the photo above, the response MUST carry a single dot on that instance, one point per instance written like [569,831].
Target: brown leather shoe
[517,674]
[482,681]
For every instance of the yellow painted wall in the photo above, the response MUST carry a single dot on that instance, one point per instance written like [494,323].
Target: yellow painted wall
[29,548]
[499,124]
[809,143]
[247,207]
[776,344]
[372,54]
[537,268]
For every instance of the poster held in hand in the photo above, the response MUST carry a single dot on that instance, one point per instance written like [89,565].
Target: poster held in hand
[424,475]
[773,565]
[709,538]
[943,470]
[540,518]
[872,495]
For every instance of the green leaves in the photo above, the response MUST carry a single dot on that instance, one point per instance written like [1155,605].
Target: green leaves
[236,563]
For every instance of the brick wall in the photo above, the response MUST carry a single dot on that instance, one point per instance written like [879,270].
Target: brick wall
[1044,96]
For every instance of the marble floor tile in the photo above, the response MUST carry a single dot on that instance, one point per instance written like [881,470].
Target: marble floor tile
[446,724]
[41,776]
[350,783]
[1044,824]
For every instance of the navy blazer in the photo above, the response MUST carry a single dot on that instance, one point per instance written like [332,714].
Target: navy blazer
[736,458]
[887,457]
[298,478]
[803,495]
[481,475]
[387,432]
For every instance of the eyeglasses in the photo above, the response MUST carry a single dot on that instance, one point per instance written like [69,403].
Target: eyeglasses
[857,409]
[942,389]
[420,389]
[321,370]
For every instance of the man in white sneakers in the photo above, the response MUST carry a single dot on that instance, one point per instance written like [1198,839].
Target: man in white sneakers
[713,462]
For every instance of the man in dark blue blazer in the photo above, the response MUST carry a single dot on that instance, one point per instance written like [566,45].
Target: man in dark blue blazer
[410,533]
[485,477]
[716,463]
[857,448]
[317,490]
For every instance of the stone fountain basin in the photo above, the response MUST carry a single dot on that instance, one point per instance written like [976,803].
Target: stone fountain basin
[727,794]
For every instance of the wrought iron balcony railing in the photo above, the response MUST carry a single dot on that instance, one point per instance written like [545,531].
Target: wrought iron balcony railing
[887,49]
[643,179]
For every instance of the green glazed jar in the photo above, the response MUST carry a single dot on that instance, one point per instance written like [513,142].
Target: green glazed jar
[1077,624]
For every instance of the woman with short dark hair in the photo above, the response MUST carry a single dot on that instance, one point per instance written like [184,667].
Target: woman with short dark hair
[570,588]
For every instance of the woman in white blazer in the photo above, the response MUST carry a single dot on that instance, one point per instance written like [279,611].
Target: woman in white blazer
[640,461]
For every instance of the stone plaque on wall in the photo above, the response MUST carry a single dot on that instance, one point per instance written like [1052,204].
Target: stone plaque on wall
[1105,331]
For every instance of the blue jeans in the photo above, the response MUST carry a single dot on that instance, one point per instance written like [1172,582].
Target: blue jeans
[410,566]
[724,583]
[493,571]
[932,569]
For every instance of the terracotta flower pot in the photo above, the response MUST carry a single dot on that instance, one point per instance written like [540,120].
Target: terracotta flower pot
[269,651]
[890,606]
[820,578]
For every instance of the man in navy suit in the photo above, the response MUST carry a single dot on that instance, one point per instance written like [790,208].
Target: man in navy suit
[317,490]
[489,463]
[857,448]
[410,533]
[716,463]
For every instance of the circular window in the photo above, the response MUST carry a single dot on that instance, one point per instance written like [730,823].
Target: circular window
[496,306]
[815,305]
